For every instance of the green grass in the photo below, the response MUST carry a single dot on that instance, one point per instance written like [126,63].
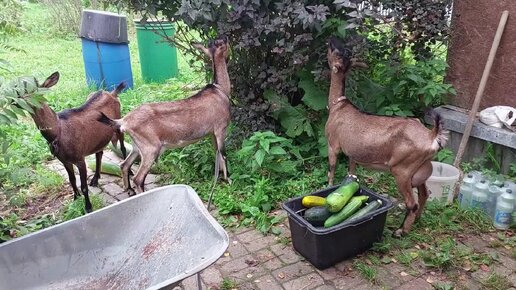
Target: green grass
[497,282]
[366,271]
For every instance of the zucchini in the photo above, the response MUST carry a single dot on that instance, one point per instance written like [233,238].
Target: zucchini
[312,200]
[118,151]
[106,167]
[355,203]
[365,210]
[338,199]
[317,215]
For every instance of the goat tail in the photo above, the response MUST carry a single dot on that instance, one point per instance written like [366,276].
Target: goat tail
[106,120]
[121,86]
[440,135]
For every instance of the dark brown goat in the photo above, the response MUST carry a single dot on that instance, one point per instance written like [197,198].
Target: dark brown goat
[74,134]
[158,126]
[402,146]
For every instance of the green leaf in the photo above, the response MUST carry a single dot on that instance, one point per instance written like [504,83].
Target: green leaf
[265,144]
[314,97]
[22,103]
[277,150]
[10,114]
[259,156]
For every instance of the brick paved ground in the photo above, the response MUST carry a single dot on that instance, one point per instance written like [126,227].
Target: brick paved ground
[255,261]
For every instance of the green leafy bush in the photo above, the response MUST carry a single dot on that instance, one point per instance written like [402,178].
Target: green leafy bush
[270,153]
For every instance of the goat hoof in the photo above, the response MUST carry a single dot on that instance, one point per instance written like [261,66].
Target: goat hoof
[94,183]
[131,192]
[88,210]
[398,233]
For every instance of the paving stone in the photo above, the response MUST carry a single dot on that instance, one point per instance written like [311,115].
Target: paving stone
[107,178]
[273,264]
[121,196]
[501,270]
[239,230]
[151,186]
[396,270]
[344,266]
[469,284]
[267,282]
[151,178]
[325,287]
[507,262]
[112,189]
[211,276]
[286,253]
[264,255]
[246,286]
[190,283]
[480,275]
[387,279]
[94,190]
[348,281]
[330,273]
[107,199]
[235,265]
[309,281]
[248,274]
[249,236]
[369,286]
[418,284]
[292,271]
[512,279]
[236,248]
[259,243]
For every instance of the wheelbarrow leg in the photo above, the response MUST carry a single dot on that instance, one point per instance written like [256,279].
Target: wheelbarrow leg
[199,284]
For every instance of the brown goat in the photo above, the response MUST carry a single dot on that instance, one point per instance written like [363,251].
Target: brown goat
[159,126]
[402,146]
[74,134]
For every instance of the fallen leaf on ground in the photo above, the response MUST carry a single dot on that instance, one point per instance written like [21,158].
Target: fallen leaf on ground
[403,274]
[430,280]
[251,263]
[249,276]
[226,254]
[281,275]
[484,268]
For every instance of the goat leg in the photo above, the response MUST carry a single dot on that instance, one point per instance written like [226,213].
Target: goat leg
[422,196]
[149,155]
[220,153]
[122,145]
[126,168]
[332,163]
[98,163]
[84,185]
[352,166]
[405,188]
[71,178]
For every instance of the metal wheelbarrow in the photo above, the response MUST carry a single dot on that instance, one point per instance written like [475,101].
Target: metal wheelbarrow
[150,241]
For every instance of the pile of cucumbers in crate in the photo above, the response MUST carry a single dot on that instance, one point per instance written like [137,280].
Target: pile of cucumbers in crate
[340,206]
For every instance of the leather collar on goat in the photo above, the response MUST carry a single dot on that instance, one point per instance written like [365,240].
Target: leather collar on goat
[340,99]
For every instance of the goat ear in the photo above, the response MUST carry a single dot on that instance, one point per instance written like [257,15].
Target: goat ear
[51,80]
[201,48]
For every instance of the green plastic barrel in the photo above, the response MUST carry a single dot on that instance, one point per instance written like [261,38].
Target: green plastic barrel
[158,58]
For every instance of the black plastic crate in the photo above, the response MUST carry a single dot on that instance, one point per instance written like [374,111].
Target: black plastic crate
[324,247]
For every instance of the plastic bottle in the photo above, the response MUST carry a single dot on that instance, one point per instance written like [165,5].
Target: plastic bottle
[466,188]
[479,195]
[504,208]
[492,196]
[477,175]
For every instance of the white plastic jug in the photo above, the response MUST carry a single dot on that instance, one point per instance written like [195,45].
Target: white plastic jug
[441,182]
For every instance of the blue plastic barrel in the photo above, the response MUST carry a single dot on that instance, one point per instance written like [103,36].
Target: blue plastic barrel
[106,64]
[105,49]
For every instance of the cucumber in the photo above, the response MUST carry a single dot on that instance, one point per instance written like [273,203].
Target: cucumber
[355,203]
[106,167]
[317,215]
[365,210]
[312,200]
[338,199]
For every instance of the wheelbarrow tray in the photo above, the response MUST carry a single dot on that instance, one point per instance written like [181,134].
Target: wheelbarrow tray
[152,240]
